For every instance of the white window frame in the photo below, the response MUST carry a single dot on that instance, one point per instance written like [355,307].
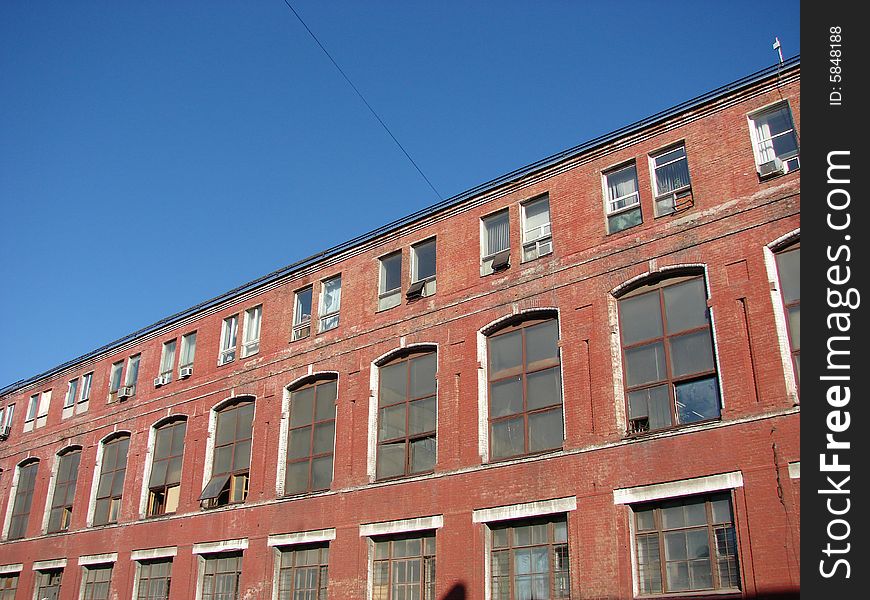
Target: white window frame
[301,324]
[116,372]
[790,162]
[186,346]
[131,374]
[229,339]
[326,318]
[211,551]
[251,331]
[609,202]
[69,400]
[167,359]
[536,246]
[673,196]
[429,285]
[486,258]
[85,392]
[32,408]
[288,542]
[779,313]
[393,297]
[167,553]
[7,416]
[368,531]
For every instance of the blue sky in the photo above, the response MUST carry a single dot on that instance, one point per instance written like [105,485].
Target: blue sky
[156,154]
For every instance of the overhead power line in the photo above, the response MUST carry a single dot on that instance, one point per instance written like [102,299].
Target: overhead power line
[366,102]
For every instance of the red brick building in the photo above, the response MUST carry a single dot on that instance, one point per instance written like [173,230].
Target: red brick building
[578,380]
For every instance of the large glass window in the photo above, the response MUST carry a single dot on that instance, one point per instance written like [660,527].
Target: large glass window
[303,574]
[8,586]
[673,190]
[390,281]
[788,265]
[164,484]
[302,314]
[404,568]
[154,577]
[668,362]
[111,483]
[330,303]
[623,200]
[311,439]
[495,242]
[221,574]
[64,490]
[48,584]
[232,456]
[529,559]
[537,232]
[525,389]
[23,500]
[775,141]
[95,582]
[407,415]
[688,544]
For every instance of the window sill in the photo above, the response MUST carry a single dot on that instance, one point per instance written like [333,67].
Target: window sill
[679,427]
[726,593]
[403,476]
[527,455]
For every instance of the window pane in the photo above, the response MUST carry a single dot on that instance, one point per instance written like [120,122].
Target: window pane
[621,184]
[544,388]
[541,342]
[324,434]
[393,383]
[496,233]
[789,266]
[391,423]
[297,478]
[697,400]
[391,460]
[321,472]
[691,353]
[508,438]
[421,416]
[506,397]
[545,430]
[242,455]
[301,407]
[423,375]
[645,364]
[423,455]
[685,305]
[326,394]
[302,313]
[425,260]
[640,318]
[300,443]
[653,403]
[505,352]
[537,214]
[391,272]
[794,326]
[624,220]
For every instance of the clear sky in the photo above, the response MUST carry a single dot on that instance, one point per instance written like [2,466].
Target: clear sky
[156,154]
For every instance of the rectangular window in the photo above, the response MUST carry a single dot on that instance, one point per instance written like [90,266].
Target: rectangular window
[188,352]
[495,242]
[44,405]
[132,370]
[668,359]
[774,140]
[164,484]
[71,391]
[537,232]
[229,333]
[32,407]
[64,491]
[48,584]
[115,376]
[407,416]
[167,361]
[154,577]
[529,559]
[8,586]
[232,456]
[404,567]
[623,200]
[221,574]
[251,334]
[86,387]
[95,582]
[330,303]
[688,544]
[302,314]
[23,500]
[788,265]
[311,441]
[303,572]
[390,282]
[422,269]
[673,190]
[6,421]
[110,487]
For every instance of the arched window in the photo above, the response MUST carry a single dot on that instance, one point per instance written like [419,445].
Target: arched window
[231,461]
[668,362]
[164,483]
[407,410]
[788,266]
[110,488]
[64,490]
[525,387]
[23,499]
[311,437]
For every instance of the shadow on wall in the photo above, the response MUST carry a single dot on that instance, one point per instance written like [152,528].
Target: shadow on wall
[457,592]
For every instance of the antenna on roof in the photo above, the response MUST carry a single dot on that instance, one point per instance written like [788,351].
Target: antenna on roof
[778,47]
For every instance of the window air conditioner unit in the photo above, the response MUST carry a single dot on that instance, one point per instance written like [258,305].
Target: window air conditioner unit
[185,372]
[770,168]
[162,380]
[5,431]
[126,391]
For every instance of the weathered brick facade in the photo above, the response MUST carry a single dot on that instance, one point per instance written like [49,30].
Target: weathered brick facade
[727,234]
